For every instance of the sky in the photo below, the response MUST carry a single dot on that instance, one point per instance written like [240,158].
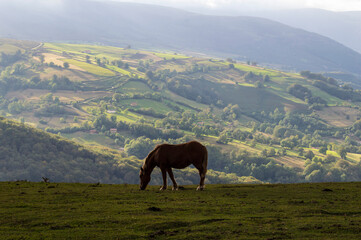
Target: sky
[254,5]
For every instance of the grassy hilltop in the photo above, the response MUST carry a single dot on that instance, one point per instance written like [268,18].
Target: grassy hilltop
[92,211]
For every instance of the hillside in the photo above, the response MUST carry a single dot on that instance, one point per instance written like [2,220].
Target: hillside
[29,154]
[265,124]
[90,211]
[154,27]
[344,27]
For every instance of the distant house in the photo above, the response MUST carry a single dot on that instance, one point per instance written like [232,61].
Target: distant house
[111,111]
[93,131]
[87,51]
[134,104]
[113,130]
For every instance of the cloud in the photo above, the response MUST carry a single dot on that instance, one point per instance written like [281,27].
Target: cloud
[244,5]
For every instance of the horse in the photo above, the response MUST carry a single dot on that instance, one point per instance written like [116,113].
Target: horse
[168,156]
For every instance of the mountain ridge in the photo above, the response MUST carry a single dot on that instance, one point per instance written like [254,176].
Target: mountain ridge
[148,26]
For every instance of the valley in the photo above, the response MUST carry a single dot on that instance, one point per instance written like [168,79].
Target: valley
[262,123]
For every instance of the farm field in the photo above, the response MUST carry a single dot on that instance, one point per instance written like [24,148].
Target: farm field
[98,211]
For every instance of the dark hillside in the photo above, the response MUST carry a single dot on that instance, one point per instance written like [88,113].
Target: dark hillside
[27,153]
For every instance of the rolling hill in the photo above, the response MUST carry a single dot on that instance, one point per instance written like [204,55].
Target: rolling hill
[28,154]
[344,27]
[154,27]
[258,124]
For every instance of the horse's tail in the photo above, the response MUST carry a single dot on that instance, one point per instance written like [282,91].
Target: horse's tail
[205,160]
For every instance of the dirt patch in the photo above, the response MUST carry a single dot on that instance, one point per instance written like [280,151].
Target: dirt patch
[73,75]
[64,96]
[56,59]
[339,116]
[292,162]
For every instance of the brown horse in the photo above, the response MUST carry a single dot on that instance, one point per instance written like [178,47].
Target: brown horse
[167,156]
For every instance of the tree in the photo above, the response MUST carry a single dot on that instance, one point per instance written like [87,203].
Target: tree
[342,152]
[259,84]
[87,58]
[309,155]
[264,153]
[139,147]
[66,65]
[223,139]
[249,76]
[266,78]
[113,118]
[272,152]
[323,150]
[42,59]
[149,74]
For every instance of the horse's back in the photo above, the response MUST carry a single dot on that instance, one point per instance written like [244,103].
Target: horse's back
[181,155]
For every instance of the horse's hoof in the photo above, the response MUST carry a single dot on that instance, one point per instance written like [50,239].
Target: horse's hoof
[199,188]
[162,188]
[175,189]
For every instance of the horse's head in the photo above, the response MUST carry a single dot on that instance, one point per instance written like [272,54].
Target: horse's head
[144,178]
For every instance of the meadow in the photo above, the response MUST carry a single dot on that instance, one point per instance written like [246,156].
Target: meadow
[97,211]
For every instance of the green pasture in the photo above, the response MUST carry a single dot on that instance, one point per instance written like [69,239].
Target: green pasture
[135,86]
[9,49]
[89,139]
[109,52]
[146,103]
[98,211]
[169,56]
[331,100]
[181,99]
[256,70]
[91,68]
[252,99]
[126,116]
[119,70]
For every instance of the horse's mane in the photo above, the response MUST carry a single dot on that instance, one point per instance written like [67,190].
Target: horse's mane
[149,156]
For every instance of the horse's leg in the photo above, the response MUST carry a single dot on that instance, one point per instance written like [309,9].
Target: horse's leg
[164,175]
[202,174]
[170,172]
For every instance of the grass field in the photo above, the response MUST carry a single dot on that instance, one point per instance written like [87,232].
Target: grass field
[119,70]
[169,56]
[136,86]
[90,139]
[339,116]
[91,68]
[147,103]
[8,49]
[97,211]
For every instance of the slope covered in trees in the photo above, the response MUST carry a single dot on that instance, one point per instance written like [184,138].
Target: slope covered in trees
[29,154]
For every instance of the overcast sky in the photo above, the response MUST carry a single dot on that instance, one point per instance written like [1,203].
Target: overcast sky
[254,5]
